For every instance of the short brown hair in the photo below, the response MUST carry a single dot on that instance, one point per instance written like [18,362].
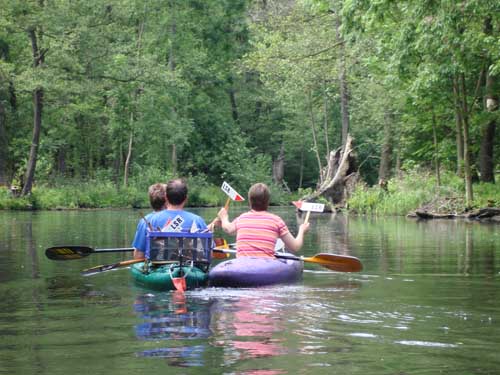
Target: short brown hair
[177,191]
[157,197]
[258,196]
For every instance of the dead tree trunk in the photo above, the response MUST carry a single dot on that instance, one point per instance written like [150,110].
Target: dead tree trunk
[340,177]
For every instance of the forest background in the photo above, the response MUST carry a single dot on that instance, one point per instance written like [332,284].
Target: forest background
[99,99]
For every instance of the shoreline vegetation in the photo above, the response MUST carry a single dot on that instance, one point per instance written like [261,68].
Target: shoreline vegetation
[413,194]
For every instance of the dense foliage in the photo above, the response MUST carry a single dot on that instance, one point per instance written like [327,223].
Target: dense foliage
[107,97]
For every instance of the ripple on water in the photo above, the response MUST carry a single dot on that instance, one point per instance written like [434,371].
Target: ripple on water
[426,344]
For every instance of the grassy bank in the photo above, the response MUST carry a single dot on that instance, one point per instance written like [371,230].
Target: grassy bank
[405,194]
[417,189]
[95,194]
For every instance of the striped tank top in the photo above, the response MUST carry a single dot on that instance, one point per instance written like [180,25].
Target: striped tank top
[257,232]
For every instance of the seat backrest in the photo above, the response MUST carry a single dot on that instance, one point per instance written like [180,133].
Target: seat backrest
[179,246]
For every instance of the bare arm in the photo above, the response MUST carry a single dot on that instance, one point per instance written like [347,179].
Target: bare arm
[227,226]
[138,254]
[295,243]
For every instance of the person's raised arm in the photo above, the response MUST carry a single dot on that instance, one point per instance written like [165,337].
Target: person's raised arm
[227,226]
[295,243]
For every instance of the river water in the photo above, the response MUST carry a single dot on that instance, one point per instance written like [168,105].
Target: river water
[426,302]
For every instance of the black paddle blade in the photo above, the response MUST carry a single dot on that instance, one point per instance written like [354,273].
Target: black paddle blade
[68,252]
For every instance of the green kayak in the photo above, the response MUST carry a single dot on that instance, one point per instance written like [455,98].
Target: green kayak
[159,277]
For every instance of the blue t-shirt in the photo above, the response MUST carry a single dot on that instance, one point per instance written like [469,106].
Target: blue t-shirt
[159,219]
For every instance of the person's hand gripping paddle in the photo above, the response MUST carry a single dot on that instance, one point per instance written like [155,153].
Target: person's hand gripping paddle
[232,195]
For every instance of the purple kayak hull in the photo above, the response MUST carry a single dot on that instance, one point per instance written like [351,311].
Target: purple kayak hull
[254,271]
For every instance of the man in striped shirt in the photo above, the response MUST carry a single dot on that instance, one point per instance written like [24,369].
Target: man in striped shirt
[258,230]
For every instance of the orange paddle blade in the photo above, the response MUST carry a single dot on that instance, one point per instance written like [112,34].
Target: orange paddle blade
[179,283]
[220,243]
[334,262]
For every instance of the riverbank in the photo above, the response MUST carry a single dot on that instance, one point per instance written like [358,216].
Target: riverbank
[419,192]
[93,195]
[414,194]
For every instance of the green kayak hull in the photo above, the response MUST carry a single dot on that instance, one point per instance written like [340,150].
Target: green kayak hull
[160,277]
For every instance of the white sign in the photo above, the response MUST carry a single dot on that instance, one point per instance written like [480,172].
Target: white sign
[309,206]
[174,225]
[226,188]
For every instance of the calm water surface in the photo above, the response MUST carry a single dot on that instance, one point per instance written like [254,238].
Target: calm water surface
[427,302]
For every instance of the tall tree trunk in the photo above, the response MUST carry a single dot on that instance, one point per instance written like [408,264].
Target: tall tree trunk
[436,149]
[384,170]
[488,133]
[486,161]
[174,159]
[325,110]
[171,68]
[279,166]
[4,180]
[38,58]
[344,94]
[301,173]
[35,141]
[61,161]
[469,197]
[232,99]
[459,138]
[315,138]
[129,153]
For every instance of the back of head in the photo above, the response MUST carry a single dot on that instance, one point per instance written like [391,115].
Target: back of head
[176,191]
[157,196]
[259,196]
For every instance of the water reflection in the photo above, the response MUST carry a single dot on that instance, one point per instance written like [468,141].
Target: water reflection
[172,318]
[250,326]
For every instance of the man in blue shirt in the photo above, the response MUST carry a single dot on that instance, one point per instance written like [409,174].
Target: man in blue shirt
[173,218]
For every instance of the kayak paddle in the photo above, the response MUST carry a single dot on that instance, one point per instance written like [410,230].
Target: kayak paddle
[78,252]
[334,262]
[109,267]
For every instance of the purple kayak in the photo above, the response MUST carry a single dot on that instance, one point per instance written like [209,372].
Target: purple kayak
[255,271]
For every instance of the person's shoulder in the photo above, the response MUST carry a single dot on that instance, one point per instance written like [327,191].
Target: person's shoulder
[189,214]
[194,217]
[260,215]
[274,216]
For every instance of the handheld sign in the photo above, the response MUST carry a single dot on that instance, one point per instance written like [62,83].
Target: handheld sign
[231,193]
[309,207]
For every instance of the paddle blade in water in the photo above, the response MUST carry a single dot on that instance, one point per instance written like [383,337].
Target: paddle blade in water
[334,262]
[68,252]
[179,283]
